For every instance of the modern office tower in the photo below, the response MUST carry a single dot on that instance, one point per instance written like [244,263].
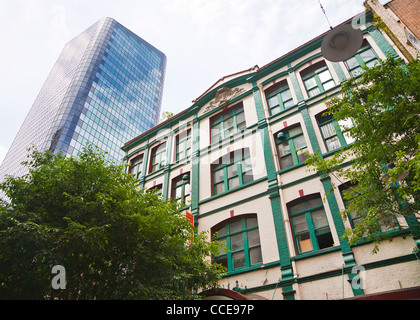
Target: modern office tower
[105,88]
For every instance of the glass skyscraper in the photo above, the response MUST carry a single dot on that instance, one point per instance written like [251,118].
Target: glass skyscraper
[105,89]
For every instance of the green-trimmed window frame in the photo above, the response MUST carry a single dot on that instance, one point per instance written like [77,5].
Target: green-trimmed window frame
[227,123]
[310,226]
[136,166]
[279,97]
[157,188]
[291,147]
[317,79]
[183,145]
[242,240]
[231,171]
[366,56]
[181,189]
[331,131]
[158,157]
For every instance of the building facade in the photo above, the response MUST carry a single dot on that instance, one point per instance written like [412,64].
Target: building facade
[105,88]
[236,157]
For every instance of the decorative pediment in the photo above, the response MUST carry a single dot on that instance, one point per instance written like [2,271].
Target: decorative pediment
[222,98]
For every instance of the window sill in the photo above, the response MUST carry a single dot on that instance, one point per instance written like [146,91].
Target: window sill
[311,254]
[294,167]
[243,270]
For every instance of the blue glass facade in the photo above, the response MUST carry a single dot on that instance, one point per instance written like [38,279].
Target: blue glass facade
[105,89]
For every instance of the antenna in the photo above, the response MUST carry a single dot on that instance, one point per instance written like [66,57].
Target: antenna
[322,8]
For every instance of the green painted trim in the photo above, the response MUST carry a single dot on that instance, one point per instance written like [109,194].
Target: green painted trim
[339,71]
[337,272]
[335,213]
[295,84]
[275,77]
[380,40]
[236,203]
[309,127]
[195,171]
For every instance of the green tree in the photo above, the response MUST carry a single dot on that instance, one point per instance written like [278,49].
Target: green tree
[381,168]
[115,242]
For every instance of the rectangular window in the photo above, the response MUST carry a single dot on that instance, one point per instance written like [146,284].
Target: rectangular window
[227,123]
[291,146]
[181,189]
[331,131]
[242,239]
[279,97]
[364,57]
[317,79]
[231,171]
[310,226]
[158,158]
[183,145]
[136,166]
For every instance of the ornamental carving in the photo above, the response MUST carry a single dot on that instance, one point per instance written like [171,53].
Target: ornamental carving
[222,98]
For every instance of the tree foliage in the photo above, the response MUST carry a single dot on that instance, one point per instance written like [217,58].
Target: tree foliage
[115,242]
[381,168]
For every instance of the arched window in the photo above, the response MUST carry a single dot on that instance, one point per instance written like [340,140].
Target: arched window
[291,146]
[310,226]
[317,79]
[231,171]
[242,239]
[279,97]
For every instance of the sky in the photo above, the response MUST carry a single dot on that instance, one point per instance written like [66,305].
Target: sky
[203,40]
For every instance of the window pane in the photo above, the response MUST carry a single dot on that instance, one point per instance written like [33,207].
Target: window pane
[272,102]
[299,224]
[237,242]
[288,104]
[324,76]
[314,92]
[304,242]
[367,55]
[219,188]
[222,251]
[300,142]
[332,143]
[275,110]
[310,83]
[328,130]
[305,205]
[228,123]
[221,231]
[218,176]
[325,240]
[295,131]
[301,155]
[222,261]
[286,162]
[250,222]
[286,95]
[329,85]
[319,219]
[233,183]
[351,63]
[247,177]
[238,260]
[232,170]
[284,149]
[240,118]
[256,256]
[236,226]
[253,238]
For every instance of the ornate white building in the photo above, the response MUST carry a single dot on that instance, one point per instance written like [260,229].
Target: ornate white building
[237,157]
